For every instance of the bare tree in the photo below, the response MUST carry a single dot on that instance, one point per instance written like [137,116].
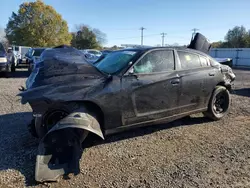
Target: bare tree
[100,36]
[3,38]
[86,37]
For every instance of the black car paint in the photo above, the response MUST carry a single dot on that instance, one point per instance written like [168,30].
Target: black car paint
[148,98]
[124,100]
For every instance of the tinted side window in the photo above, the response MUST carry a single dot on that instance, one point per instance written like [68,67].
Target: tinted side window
[204,61]
[155,61]
[189,60]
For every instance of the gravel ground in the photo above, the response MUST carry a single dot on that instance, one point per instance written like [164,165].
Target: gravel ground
[192,152]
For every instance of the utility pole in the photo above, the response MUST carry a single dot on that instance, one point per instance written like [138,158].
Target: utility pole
[162,37]
[142,28]
[194,32]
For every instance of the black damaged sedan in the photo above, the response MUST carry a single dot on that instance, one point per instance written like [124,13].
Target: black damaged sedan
[128,88]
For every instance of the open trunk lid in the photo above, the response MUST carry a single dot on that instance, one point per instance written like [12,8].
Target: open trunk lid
[200,43]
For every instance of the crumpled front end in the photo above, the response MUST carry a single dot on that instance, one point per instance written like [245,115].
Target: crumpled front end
[228,76]
[61,77]
[60,149]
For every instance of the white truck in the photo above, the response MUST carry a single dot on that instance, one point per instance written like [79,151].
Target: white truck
[19,54]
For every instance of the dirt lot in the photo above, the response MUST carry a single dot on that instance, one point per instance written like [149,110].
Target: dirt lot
[192,152]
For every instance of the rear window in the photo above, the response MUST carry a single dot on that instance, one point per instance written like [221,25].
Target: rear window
[189,60]
[25,50]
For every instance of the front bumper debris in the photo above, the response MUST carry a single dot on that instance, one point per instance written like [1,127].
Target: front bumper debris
[60,149]
[58,158]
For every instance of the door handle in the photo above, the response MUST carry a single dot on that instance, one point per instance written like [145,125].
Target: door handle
[175,82]
[211,74]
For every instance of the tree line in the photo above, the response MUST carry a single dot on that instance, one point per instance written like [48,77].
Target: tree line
[238,37]
[39,25]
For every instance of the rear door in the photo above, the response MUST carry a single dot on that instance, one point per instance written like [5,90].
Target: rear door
[197,79]
[152,88]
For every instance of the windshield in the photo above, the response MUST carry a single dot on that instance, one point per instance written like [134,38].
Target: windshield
[37,52]
[116,61]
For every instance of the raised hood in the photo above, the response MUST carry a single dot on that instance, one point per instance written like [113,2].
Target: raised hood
[61,74]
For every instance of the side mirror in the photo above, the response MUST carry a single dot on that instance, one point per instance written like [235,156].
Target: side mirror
[131,71]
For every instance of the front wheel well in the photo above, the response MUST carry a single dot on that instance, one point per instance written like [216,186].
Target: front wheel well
[96,110]
[73,105]
[47,120]
[225,85]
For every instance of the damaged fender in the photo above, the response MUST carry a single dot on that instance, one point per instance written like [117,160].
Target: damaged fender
[60,150]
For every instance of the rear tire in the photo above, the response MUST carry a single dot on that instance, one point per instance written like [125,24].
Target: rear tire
[219,103]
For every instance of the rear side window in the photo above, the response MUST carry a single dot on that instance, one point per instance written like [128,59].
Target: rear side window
[155,61]
[204,61]
[189,60]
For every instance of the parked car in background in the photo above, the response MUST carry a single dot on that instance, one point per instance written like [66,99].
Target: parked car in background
[91,55]
[128,88]
[102,57]
[225,61]
[6,63]
[33,56]
[19,54]
[106,51]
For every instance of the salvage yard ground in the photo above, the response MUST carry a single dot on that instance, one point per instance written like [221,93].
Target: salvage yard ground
[192,152]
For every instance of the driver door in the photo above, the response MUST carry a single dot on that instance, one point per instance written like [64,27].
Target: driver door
[151,88]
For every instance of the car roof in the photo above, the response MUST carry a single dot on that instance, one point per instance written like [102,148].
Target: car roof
[145,49]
